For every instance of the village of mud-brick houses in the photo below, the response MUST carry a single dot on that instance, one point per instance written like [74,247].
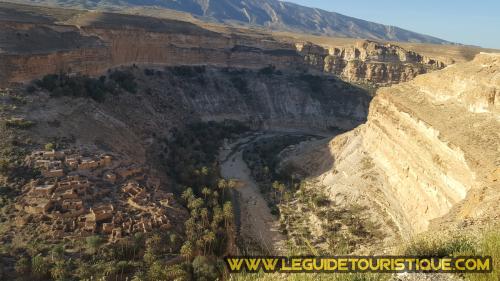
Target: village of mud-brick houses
[94,194]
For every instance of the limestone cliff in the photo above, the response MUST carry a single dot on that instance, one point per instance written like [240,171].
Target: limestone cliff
[93,42]
[370,62]
[430,149]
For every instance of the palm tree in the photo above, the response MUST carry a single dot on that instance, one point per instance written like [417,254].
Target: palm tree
[228,214]
[217,217]
[188,194]
[222,185]
[231,184]
[190,225]
[209,238]
[204,216]
[195,203]
[173,241]
[187,250]
[278,187]
[206,192]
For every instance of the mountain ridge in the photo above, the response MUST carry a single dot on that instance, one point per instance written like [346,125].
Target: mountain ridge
[273,14]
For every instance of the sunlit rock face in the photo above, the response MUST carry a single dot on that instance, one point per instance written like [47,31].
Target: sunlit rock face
[369,62]
[427,157]
[90,43]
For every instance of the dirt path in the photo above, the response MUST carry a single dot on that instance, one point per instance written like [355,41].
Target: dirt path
[257,224]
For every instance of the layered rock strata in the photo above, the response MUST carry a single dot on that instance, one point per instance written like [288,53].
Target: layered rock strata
[93,42]
[428,154]
[369,61]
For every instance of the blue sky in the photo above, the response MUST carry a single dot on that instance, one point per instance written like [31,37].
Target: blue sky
[474,22]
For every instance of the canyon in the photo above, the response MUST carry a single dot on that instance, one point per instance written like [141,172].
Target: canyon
[427,154]
[406,136]
[90,43]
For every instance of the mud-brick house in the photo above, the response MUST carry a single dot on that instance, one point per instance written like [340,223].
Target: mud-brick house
[77,183]
[88,164]
[72,204]
[132,188]
[53,173]
[101,213]
[105,160]
[38,206]
[127,172]
[43,190]
[62,194]
[72,162]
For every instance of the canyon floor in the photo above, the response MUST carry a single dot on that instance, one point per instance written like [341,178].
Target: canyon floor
[257,226]
[122,137]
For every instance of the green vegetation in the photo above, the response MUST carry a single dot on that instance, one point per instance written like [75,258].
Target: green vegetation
[13,150]
[261,158]
[84,86]
[192,153]
[188,71]
[19,123]
[49,146]
[269,70]
[192,161]
[125,80]
[181,253]
[486,243]
[143,257]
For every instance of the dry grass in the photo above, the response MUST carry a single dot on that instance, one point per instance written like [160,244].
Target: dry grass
[486,243]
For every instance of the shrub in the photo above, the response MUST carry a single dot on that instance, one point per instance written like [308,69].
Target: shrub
[23,266]
[188,71]
[149,72]
[49,146]
[19,123]
[320,200]
[268,70]
[204,269]
[48,82]
[440,246]
[125,80]
[84,86]
[31,89]
[39,267]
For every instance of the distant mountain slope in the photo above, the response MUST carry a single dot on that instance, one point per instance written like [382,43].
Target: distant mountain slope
[274,14]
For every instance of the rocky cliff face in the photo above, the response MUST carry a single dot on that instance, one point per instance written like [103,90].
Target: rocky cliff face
[138,46]
[91,43]
[430,149]
[370,62]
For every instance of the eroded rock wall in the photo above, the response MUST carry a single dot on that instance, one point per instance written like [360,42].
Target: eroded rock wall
[92,42]
[369,62]
[427,157]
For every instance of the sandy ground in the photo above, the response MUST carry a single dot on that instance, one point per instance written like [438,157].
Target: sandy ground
[257,224]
